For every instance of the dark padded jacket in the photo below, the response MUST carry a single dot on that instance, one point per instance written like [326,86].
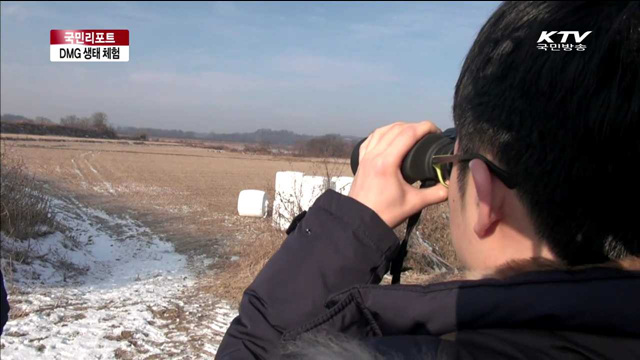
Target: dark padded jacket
[4,305]
[325,279]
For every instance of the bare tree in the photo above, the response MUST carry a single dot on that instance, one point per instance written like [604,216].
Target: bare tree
[69,120]
[41,120]
[327,146]
[99,121]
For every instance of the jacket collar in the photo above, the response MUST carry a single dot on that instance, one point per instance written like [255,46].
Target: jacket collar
[596,299]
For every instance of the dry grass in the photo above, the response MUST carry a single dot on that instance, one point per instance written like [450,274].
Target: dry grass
[122,354]
[17,312]
[436,241]
[243,260]
[24,216]
[24,209]
[124,335]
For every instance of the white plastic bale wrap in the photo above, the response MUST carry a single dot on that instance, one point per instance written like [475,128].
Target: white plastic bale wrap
[312,188]
[286,204]
[341,184]
[253,203]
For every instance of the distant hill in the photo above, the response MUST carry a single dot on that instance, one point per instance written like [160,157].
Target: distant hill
[275,137]
[13,119]
[164,133]
[260,136]
[265,136]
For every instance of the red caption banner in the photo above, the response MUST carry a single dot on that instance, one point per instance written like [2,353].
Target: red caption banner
[104,45]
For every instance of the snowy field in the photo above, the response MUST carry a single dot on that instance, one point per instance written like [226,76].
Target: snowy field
[107,287]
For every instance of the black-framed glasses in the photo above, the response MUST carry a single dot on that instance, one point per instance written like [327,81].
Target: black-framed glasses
[444,165]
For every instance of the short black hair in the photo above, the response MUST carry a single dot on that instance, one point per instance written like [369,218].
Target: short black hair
[566,123]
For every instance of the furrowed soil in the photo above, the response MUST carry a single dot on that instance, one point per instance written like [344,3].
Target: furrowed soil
[187,194]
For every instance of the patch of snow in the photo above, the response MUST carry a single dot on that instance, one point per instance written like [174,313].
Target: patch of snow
[117,291]
[144,189]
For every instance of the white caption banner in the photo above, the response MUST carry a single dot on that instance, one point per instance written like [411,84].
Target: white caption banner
[84,53]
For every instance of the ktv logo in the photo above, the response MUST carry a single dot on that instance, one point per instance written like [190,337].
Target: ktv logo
[545,42]
[546,36]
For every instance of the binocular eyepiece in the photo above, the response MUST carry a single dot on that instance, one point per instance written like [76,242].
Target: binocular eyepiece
[417,164]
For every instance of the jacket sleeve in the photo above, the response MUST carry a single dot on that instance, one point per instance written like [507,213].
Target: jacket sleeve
[338,244]
[4,304]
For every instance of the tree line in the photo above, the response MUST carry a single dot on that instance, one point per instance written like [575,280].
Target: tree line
[95,125]
[327,146]
[264,140]
[97,121]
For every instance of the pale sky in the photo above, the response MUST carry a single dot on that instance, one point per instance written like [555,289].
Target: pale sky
[312,68]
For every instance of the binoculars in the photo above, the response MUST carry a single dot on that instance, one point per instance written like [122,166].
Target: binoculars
[417,164]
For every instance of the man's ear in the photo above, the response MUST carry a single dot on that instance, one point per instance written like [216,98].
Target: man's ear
[488,202]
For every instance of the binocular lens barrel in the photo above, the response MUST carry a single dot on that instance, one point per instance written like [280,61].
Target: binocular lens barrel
[417,164]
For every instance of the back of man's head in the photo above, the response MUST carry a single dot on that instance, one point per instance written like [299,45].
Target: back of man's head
[564,120]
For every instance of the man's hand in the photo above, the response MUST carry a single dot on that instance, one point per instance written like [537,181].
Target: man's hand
[378,183]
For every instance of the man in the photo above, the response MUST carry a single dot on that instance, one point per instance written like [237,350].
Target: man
[552,255]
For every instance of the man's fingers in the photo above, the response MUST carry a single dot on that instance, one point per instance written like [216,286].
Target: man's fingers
[372,140]
[376,138]
[409,136]
[378,183]
[390,133]
[398,138]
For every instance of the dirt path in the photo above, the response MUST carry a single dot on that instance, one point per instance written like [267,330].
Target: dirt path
[110,288]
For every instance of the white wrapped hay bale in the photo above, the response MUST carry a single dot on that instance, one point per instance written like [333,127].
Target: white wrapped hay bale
[341,184]
[312,187]
[253,203]
[286,204]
